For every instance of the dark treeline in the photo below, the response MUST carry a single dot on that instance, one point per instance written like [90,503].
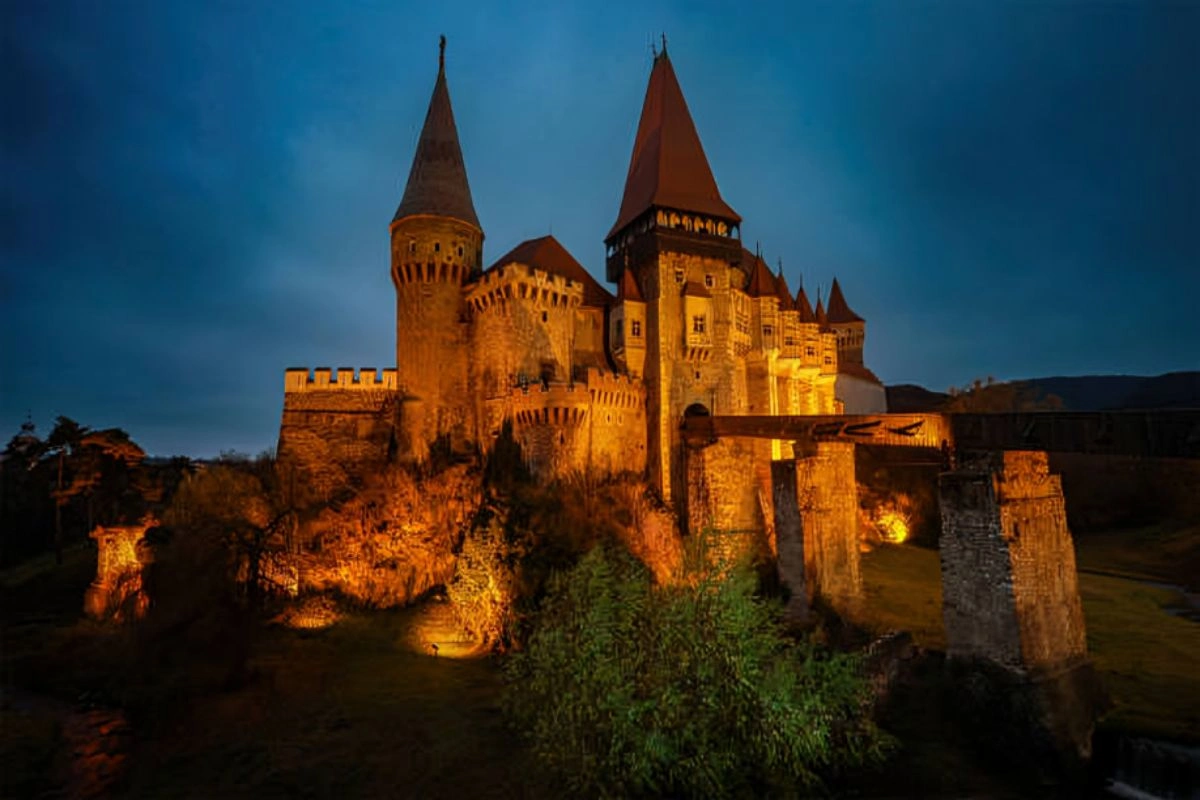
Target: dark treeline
[54,491]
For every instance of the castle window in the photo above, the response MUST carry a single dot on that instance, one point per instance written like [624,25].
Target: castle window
[437,247]
[679,276]
[789,341]
[635,327]
[412,247]
[545,317]
[708,281]
[828,360]
[808,351]
[768,331]
[460,251]
[698,324]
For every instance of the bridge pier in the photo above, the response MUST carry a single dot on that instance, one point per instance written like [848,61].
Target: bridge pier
[1011,606]
[816,530]
[1009,587]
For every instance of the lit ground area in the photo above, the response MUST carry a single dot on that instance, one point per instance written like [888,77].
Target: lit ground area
[360,709]
[1146,650]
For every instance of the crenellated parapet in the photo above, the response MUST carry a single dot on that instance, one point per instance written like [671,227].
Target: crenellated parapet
[324,379]
[497,287]
[613,390]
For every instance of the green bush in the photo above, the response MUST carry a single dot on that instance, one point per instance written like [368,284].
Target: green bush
[628,688]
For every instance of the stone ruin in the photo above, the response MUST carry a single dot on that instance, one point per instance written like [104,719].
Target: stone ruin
[117,593]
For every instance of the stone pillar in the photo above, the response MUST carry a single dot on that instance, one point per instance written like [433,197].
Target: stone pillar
[789,538]
[1009,588]
[120,558]
[827,496]
[1013,617]
[723,498]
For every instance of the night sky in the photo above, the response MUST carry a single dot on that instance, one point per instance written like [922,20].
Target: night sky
[196,195]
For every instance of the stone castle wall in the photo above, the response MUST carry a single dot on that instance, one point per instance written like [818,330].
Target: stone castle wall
[596,425]
[337,428]
[432,258]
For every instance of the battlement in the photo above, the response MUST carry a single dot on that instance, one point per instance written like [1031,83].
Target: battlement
[325,379]
[612,389]
[522,282]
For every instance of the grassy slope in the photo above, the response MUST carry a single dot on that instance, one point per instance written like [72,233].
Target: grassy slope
[1148,660]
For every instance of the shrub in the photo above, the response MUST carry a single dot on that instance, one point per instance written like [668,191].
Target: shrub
[688,689]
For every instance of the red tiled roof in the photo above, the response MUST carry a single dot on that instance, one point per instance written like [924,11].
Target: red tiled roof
[696,289]
[786,303]
[762,282]
[804,307]
[668,167]
[547,254]
[437,182]
[627,288]
[838,310]
[819,315]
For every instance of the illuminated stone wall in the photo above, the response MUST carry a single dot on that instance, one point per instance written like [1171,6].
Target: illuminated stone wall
[432,259]
[827,496]
[1009,586]
[121,554]
[337,429]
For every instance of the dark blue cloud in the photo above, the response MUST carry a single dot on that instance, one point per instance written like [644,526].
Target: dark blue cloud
[196,196]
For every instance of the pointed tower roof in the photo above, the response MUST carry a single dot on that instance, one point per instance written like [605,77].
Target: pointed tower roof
[819,314]
[762,282]
[547,254]
[628,288]
[786,303]
[804,307]
[437,182]
[838,310]
[668,166]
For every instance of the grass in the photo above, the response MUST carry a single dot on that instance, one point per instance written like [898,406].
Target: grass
[1148,659]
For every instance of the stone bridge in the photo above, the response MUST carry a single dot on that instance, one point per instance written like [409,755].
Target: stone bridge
[1008,566]
[1009,585]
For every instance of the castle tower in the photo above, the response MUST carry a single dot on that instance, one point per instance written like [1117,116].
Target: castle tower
[858,389]
[849,327]
[681,241]
[437,246]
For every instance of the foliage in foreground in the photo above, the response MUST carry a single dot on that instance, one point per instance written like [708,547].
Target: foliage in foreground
[691,689]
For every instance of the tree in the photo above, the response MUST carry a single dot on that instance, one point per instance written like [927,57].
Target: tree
[238,505]
[992,396]
[684,690]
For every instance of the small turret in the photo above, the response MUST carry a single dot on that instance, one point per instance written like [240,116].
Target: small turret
[849,327]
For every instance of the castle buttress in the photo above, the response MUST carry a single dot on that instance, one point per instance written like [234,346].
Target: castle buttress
[586,380]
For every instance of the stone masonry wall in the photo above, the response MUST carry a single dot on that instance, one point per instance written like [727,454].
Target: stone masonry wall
[117,589]
[827,496]
[337,431]
[1009,586]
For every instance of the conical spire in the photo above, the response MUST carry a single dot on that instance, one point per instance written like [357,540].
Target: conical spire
[762,282]
[804,307]
[437,183]
[838,310]
[785,294]
[668,167]
[819,315]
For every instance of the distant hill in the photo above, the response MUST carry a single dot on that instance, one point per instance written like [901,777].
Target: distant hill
[1082,393]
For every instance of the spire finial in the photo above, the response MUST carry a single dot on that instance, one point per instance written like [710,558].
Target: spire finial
[664,43]
[441,52]
[781,265]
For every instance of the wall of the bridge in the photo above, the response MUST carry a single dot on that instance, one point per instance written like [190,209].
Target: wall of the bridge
[1009,587]
[816,526]
[728,497]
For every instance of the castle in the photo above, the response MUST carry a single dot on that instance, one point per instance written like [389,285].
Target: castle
[589,379]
